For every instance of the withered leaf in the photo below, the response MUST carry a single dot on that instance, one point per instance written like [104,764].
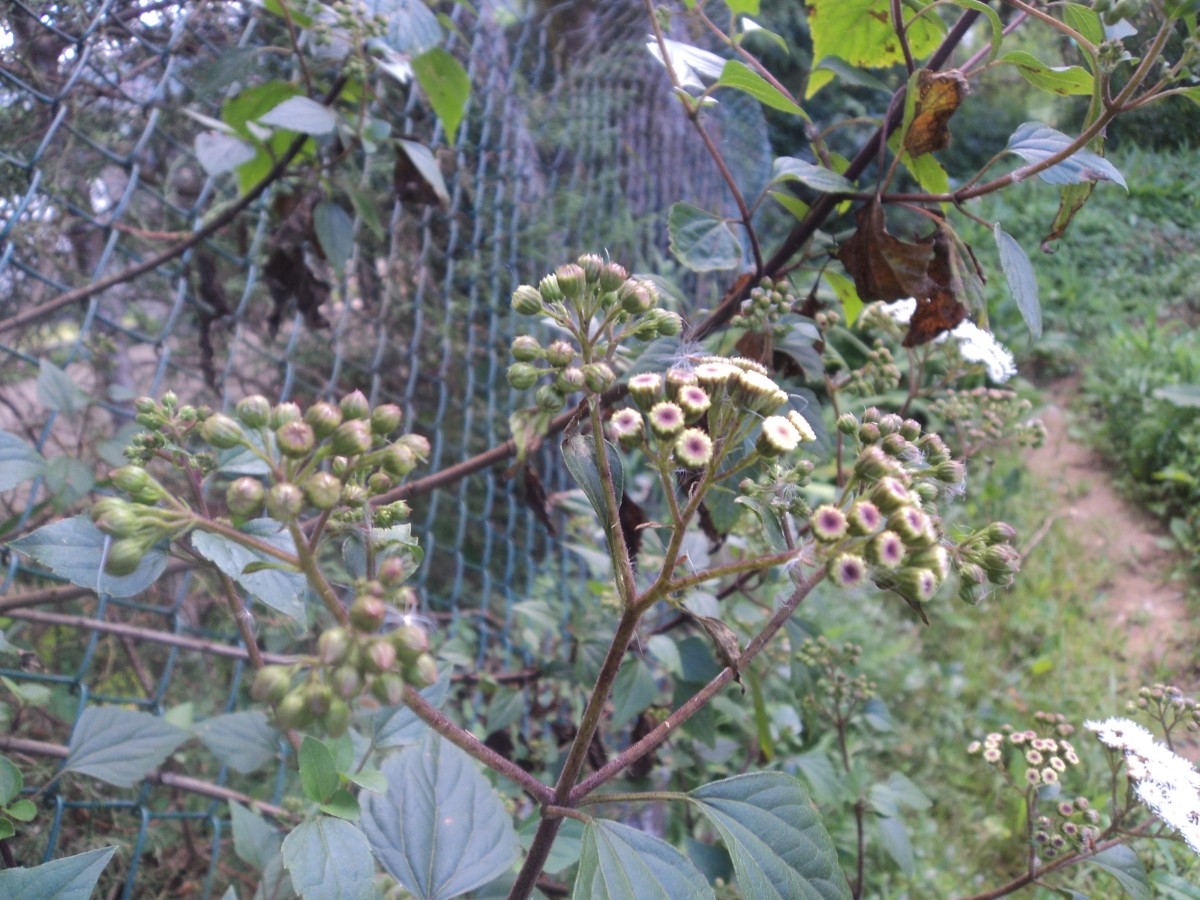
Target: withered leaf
[410,185]
[938,96]
[289,278]
[940,309]
[632,517]
[535,497]
[725,643]
[883,266]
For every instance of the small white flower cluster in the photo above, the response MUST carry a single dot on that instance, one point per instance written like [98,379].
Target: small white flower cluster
[1165,782]
[974,344]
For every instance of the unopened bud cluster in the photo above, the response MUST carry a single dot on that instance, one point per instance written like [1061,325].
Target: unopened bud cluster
[1168,706]
[691,416]
[351,662]
[765,307]
[887,527]
[598,304]
[877,375]
[983,417]
[836,692]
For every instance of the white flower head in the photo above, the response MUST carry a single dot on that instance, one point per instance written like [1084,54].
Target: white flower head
[975,345]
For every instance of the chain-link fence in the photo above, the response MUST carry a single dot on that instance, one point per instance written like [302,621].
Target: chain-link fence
[572,142]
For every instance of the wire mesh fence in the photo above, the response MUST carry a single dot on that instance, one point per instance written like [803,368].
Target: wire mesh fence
[571,143]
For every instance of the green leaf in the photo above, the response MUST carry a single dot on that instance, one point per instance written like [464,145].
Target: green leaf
[74,549]
[255,840]
[329,859]
[778,844]
[826,181]
[7,829]
[701,241]
[743,7]
[1123,864]
[440,830]
[397,728]
[1181,395]
[318,773]
[792,204]
[426,165]
[19,461]
[507,706]
[843,289]
[1022,281]
[633,691]
[994,21]
[120,746]
[1035,142]
[22,810]
[894,837]
[252,102]
[617,862]
[280,590]
[73,878]
[579,455]
[68,479]
[447,86]
[369,780]
[889,796]
[1085,20]
[56,390]
[244,741]
[301,114]
[11,781]
[1062,80]
[739,76]
[1192,93]
[219,153]
[799,339]
[335,234]
[342,804]
[567,844]
[861,33]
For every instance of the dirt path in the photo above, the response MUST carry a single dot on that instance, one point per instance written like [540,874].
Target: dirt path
[1151,610]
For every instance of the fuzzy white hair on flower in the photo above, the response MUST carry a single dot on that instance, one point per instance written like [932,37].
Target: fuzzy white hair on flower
[974,343]
[1165,782]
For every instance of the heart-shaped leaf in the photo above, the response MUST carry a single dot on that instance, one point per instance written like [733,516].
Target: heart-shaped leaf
[72,878]
[120,746]
[329,859]
[74,549]
[617,862]
[701,241]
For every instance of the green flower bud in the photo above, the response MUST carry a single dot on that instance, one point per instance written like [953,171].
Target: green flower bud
[911,429]
[271,683]
[598,377]
[669,324]
[527,301]
[828,523]
[694,401]
[936,558]
[890,495]
[778,436]
[392,571]
[637,299]
[333,646]
[292,711]
[890,424]
[560,353]
[352,438]
[324,418]
[379,483]
[380,656]
[612,277]
[285,502]
[323,490]
[592,265]
[410,642]
[1000,533]
[847,424]
[571,280]
[950,472]
[868,432]
[368,612]
[385,419]
[282,414]
[872,414]
[550,290]
[398,460]
[421,673]
[679,378]
[549,399]
[418,444]
[646,329]
[317,698]
[354,405]
[116,517]
[646,389]
[346,681]
[222,432]
[918,584]
[145,405]
[807,435]
[295,439]
[388,689]
[569,380]
[244,497]
[523,376]
[525,348]
[254,411]
[340,466]
[666,420]
[355,496]
[124,556]
[894,444]
[337,720]
[926,491]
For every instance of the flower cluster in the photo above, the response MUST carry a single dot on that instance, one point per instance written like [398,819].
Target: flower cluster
[334,457]
[598,304]
[729,395]
[1168,784]
[1167,705]
[352,661]
[878,375]
[836,693]
[766,305]
[984,417]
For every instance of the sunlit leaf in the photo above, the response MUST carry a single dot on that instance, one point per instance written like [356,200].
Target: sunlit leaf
[819,178]
[281,590]
[737,75]
[335,234]
[861,32]
[220,152]
[58,391]
[301,114]
[446,84]
[1062,80]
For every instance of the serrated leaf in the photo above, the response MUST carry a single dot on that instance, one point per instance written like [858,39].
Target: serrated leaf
[446,84]
[1022,281]
[894,837]
[244,741]
[739,76]
[633,691]
[702,241]
[579,455]
[617,862]
[278,589]
[440,830]
[11,781]
[255,840]
[120,746]
[426,165]
[396,728]
[73,878]
[19,461]
[56,389]
[1061,80]
[335,234]
[301,114]
[68,479]
[1123,864]
[369,780]
[329,859]
[1085,20]
[219,152]
[318,772]
[74,549]
[1035,142]
[507,706]
[778,844]
[342,804]
[861,33]
[826,181]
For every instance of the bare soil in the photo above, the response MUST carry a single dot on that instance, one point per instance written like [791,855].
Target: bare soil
[1149,608]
